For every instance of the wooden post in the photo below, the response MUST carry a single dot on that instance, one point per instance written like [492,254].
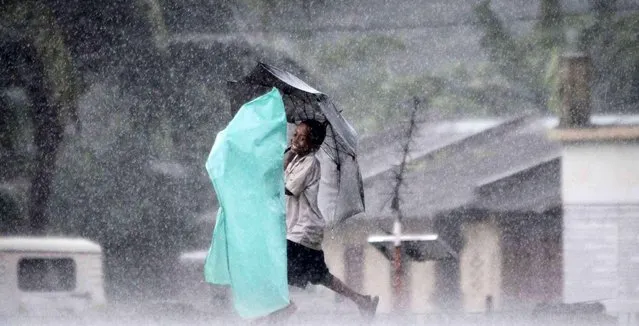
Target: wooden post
[398,286]
[398,273]
[398,270]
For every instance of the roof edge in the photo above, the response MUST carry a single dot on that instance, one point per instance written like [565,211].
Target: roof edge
[594,134]
[517,171]
[461,142]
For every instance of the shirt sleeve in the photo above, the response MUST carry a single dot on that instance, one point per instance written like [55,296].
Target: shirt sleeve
[300,177]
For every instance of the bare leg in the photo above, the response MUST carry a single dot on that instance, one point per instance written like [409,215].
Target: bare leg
[335,284]
[365,303]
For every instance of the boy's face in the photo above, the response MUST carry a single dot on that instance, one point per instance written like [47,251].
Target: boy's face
[301,142]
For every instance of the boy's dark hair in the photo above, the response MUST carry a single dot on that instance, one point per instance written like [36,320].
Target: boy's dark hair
[317,131]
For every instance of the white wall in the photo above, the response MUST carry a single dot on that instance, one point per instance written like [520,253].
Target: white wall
[377,272]
[422,283]
[600,173]
[600,188]
[377,278]
[480,265]
[590,254]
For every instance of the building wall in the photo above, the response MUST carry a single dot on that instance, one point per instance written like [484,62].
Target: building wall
[351,237]
[375,268]
[600,188]
[600,173]
[480,265]
[422,282]
[518,267]
[590,254]
[377,273]
[532,263]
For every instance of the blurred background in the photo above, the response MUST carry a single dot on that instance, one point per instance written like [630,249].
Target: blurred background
[108,110]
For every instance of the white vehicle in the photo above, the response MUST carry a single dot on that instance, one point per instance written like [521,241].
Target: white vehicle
[47,276]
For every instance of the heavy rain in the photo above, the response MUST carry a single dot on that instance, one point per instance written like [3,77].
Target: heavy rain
[478,162]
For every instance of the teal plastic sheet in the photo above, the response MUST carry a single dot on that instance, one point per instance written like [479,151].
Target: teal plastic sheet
[248,250]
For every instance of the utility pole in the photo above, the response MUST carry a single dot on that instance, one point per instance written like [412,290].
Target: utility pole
[398,270]
[423,247]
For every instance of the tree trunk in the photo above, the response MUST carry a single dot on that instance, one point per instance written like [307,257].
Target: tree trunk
[47,138]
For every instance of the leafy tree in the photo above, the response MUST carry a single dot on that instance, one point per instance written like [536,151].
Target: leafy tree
[146,96]
[611,39]
[529,63]
[523,62]
[35,57]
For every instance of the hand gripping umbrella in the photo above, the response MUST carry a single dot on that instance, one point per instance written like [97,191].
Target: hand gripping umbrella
[341,192]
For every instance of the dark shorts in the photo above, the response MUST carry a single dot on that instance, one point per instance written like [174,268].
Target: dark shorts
[305,265]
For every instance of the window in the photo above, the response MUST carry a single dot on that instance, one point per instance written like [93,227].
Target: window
[46,275]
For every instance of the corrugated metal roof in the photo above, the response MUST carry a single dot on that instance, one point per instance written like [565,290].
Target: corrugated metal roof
[377,153]
[446,178]
[534,188]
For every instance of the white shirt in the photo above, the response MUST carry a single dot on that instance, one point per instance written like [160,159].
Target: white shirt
[304,221]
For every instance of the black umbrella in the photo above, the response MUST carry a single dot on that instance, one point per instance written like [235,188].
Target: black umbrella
[304,102]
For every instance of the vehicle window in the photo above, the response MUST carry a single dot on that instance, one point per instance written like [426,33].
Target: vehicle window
[46,275]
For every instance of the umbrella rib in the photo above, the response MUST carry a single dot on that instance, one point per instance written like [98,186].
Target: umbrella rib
[303,109]
[310,102]
[301,114]
[311,106]
[335,108]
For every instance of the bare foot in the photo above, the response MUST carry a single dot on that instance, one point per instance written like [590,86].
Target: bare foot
[369,307]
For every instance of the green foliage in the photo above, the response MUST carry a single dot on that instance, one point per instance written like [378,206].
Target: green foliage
[107,191]
[9,130]
[148,98]
[372,91]
[501,47]
[33,21]
[16,126]
[524,62]
[612,40]
[359,49]
[10,215]
[530,62]
[151,10]
[549,27]
[551,82]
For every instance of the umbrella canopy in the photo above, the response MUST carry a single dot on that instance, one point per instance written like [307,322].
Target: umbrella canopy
[301,101]
[342,192]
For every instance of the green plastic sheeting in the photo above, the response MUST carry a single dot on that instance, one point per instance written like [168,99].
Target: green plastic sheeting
[248,251]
